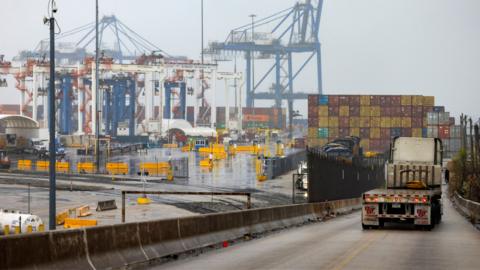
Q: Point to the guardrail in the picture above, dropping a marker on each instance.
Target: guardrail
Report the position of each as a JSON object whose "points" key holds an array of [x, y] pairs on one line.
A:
{"points": [[468, 208], [127, 244]]}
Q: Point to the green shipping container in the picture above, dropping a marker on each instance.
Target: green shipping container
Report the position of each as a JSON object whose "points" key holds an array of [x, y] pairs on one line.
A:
{"points": [[323, 133]]}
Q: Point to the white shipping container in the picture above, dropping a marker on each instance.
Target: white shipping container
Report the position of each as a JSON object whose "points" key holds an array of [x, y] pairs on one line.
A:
{"points": [[444, 118], [432, 118], [432, 132]]}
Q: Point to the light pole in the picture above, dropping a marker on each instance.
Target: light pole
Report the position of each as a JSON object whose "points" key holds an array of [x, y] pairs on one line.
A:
{"points": [[97, 81], [252, 16], [51, 119]]}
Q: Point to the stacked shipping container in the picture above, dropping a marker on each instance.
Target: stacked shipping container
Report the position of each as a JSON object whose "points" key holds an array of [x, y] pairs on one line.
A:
{"points": [[373, 118]]}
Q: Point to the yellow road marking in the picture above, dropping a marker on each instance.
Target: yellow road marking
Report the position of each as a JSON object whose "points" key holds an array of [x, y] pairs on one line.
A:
{"points": [[354, 253]]}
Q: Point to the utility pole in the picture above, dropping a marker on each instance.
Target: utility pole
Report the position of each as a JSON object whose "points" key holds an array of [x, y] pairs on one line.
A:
{"points": [[51, 119], [252, 16], [97, 95], [202, 60]]}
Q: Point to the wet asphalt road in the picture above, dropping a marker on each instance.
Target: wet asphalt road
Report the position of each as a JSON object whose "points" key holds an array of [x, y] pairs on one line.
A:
{"points": [[340, 243]]}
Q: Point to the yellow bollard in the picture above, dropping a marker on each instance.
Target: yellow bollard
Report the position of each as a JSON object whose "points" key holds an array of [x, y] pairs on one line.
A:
{"points": [[41, 228], [6, 230], [170, 174], [17, 230], [143, 200], [29, 229]]}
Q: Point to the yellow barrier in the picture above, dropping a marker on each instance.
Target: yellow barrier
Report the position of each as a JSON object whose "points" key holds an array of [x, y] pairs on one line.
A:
{"points": [[6, 230], [219, 155], [247, 148], [83, 211], [42, 165], [61, 167], [85, 167], [71, 223], [117, 168], [41, 228], [186, 148], [155, 168], [206, 163], [24, 165], [214, 149], [29, 229], [17, 230], [61, 217], [170, 145]]}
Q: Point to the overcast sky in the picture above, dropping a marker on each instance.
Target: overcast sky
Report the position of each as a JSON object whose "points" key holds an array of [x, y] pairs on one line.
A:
{"points": [[418, 47]]}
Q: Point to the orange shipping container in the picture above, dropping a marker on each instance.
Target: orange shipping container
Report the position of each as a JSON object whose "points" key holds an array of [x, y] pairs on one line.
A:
{"points": [[322, 111], [312, 132], [365, 144], [333, 133], [375, 133], [375, 111], [344, 110], [416, 132], [374, 122], [417, 100], [323, 122], [355, 132], [396, 122], [406, 100], [256, 117], [354, 122], [364, 100], [365, 111], [385, 122], [364, 122], [406, 122], [429, 101], [333, 122]]}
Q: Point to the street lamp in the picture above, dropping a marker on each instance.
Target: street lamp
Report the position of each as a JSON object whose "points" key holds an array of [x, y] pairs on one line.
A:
{"points": [[252, 16], [51, 117]]}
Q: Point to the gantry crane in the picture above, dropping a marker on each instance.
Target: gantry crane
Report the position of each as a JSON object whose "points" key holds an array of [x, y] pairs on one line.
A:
{"points": [[295, 31]]}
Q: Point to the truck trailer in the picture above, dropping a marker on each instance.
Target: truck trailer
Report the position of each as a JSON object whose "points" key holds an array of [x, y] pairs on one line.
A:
{"points": [[412, 192]]}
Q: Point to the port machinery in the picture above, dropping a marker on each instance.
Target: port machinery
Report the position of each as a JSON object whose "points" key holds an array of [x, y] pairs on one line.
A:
{"points": [[290, 32], [129, 90]]}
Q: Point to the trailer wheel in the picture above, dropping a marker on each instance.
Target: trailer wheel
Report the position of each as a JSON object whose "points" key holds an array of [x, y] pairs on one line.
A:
{"points": [[365, 227]]}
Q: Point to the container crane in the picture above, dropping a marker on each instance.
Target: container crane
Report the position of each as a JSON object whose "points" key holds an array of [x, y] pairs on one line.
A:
{"points": [[295, 31]]}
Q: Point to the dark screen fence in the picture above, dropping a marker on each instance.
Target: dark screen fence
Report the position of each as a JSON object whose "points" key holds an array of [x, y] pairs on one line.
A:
{"points": [[334, 178], [277, 166]]}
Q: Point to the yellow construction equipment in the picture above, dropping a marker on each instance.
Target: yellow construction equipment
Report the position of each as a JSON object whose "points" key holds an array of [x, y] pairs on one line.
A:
{"points": [[206, 163], [72, 223]]}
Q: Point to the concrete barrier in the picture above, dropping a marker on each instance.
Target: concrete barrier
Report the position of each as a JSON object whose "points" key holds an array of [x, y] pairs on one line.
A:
{"points": [[468, 208], [116, 246]]}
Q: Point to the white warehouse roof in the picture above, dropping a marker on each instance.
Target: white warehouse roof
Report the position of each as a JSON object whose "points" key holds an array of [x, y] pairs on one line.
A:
{"points": [[17, 121]]}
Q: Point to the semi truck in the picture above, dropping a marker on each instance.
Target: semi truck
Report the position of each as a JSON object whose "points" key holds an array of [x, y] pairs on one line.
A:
{"points": [[412, 191]]}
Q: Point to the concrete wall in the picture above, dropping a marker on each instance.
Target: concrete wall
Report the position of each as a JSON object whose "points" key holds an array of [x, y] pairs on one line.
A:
{"points": [[116, 246], [468, 208]]}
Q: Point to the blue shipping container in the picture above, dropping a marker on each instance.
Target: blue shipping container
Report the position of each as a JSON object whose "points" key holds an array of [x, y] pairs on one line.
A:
{"points": [[439, 109], [396, 132], [424, 132], [322, 100]]}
